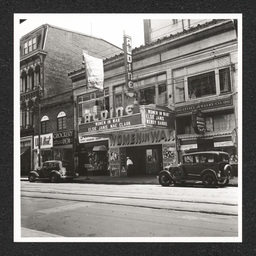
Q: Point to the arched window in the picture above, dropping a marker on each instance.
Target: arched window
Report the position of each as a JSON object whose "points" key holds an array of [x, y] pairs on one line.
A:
{"points": [[61, 121], [23, 81], [31, 83], [44, 124], [37, 77]]}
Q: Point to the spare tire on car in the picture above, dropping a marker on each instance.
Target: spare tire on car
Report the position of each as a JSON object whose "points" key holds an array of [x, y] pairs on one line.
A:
{"points": [[177, 173]]}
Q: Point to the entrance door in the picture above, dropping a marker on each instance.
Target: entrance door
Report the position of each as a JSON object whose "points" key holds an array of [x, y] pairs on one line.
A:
{"points": [[153, 160]]}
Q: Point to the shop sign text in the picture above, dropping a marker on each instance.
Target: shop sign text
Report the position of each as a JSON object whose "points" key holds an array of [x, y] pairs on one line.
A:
{"points": [[157, 118], [206, 105], [63, 138], [137, 138], [46, 141], [108, 124]]}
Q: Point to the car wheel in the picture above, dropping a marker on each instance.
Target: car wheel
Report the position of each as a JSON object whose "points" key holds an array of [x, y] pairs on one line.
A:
{"points": [[177, 173], [209, 180], [164, 179], [54, 178], [32, 177]]}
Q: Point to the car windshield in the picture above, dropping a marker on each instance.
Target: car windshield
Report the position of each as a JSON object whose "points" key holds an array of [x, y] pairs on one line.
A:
{"points": [[224, 158]]}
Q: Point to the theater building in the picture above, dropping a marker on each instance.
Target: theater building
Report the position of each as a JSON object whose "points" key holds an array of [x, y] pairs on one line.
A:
{"points": [[183, 98]]}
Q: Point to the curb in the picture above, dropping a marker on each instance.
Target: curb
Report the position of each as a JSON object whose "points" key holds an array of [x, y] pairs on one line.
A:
{"points": [[121, 182]]}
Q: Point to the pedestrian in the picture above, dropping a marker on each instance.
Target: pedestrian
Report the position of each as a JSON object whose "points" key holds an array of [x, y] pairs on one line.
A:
{"points": [[129, 165]]}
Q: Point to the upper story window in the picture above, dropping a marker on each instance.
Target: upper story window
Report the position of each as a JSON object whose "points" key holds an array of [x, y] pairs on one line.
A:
{"points": [[93, 102], [191, 82], [44, 124], [61, 121], [201, 85], [30, 45], [26, 48], [225, 83]]}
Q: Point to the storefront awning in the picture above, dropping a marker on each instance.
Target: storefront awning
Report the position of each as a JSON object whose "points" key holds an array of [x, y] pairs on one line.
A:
{"points": [[99, 148], [23, 150]]}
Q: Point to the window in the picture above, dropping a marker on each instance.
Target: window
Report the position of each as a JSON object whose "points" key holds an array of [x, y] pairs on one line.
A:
{"points": [[34, 43], [61, 121], [147, 95], [26, 48], [224, 122], [179, 90], [184, 125], [225, 84], [118, 96], [44, 126], [92, 103], [30, 45], [188, 159], [162, 95], [201, 85]]}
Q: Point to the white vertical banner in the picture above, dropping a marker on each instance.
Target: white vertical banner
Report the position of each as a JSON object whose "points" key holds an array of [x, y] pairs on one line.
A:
{"points": [[94, 71]]}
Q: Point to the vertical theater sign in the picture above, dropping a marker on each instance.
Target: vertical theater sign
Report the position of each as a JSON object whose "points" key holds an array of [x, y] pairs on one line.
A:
{"points": [[129, 88]]}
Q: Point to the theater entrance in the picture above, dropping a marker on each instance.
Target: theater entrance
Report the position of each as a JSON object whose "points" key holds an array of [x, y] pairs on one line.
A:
{"points": [[146, 159]]}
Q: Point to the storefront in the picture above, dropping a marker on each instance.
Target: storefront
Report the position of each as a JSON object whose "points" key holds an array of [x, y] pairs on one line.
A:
{"points": [[207, 126], [146, 136], [92, 155], [63, 146], [26, 155]]}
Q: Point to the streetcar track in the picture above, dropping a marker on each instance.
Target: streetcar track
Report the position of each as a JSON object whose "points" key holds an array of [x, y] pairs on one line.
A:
{"points": [[139, 198], [141, 206]]}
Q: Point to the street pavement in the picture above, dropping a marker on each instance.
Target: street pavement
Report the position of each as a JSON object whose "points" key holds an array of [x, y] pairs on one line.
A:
{"points": [[82, 209]]}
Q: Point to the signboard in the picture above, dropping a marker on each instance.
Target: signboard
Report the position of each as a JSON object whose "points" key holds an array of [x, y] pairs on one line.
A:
{"points": [[198, 122], [223, 144], [46, 141], [63, 138], [206, 105], [84, 139], [118, 123], [94, 71], [128, 65], [140, 138], [158, 118]]}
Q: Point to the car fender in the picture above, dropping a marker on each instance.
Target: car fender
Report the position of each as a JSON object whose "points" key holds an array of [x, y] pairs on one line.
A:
{"points": [[209, 170], [55, 171], [166, 171], [34, 172]]}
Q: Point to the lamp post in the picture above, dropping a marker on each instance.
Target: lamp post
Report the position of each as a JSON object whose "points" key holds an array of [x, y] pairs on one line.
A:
{"points": [[39, 94]]}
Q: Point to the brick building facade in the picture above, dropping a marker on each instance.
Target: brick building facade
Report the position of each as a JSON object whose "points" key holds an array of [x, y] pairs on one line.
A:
{"points": [[46, 55]]}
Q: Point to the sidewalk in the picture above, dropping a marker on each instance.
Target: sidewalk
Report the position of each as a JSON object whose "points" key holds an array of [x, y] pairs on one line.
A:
{"points": [[26, 232], [152, 180]]}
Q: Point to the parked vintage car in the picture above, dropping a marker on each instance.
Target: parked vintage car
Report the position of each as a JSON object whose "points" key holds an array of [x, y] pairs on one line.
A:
{"points": [[210, 167], [53, 170]]}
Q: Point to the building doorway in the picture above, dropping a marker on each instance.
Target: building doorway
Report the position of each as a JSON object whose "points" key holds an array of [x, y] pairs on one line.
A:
{"points": [[146, 159]]}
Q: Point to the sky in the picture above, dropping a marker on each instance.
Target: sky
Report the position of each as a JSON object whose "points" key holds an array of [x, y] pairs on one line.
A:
{"points": [[110, 27]]}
